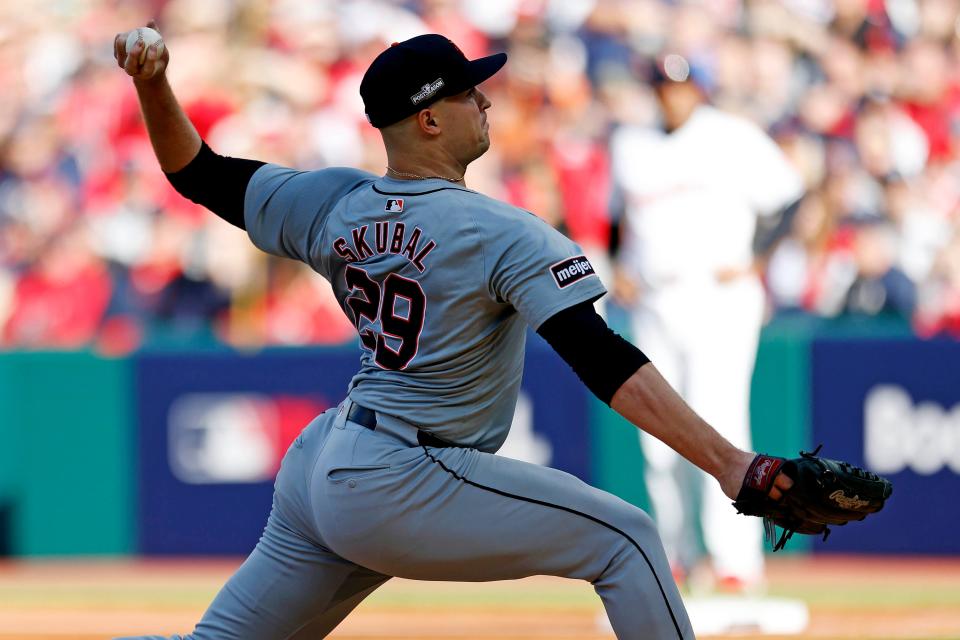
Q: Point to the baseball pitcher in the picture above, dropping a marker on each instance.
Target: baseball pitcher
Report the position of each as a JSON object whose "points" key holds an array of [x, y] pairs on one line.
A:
{"points": [[441, 282]]}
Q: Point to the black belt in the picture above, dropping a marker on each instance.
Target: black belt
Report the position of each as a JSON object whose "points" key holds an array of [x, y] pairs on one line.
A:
{"points": [[368, 418]]}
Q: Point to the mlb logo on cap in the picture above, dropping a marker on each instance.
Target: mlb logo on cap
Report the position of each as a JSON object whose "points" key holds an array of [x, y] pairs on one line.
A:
{"points": [[394, 205]]}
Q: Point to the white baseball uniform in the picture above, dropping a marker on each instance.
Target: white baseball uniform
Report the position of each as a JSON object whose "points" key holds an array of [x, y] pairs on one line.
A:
{"points": [[692, 201]]}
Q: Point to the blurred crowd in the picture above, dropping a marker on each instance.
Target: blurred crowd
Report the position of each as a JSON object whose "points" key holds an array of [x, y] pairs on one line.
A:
{"points": [[97, 249]]}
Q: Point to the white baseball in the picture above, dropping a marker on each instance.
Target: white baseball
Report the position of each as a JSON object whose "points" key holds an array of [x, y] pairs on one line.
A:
{"points": [[149, 37]]}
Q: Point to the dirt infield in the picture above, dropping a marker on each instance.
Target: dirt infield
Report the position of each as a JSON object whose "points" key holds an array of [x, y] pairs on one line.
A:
{"points": [[869, 598]]}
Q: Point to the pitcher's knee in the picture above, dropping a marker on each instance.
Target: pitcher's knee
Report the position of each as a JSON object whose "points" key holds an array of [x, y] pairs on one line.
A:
{"points": [[640, 527], [640, 539], [632, 539]]}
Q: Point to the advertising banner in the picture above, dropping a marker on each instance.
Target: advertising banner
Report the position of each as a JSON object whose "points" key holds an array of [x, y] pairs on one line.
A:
{"points": [[214, 427], [893, 406]]}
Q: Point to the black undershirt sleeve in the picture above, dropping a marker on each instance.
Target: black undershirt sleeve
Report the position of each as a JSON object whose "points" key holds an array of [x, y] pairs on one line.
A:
{"points": [[216, 182], [600, 357]]}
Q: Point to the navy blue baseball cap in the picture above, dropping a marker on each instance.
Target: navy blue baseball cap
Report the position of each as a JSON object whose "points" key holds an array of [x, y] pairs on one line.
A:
{"points": [[413, 74]]}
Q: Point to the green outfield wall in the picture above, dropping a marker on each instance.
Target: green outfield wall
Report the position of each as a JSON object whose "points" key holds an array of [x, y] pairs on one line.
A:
{"points": [[66, 454]]}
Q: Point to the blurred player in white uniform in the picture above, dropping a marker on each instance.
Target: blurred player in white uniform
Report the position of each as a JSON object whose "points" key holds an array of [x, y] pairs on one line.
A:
{"points": [[693, 192]]}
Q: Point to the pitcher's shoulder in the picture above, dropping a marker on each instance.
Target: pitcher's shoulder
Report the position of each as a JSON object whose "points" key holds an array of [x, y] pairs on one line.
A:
{"points": [[348, 177], [486, 209], [332, 181]]}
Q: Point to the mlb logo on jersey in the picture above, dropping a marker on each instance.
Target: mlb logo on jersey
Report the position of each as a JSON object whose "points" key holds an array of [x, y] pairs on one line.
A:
{"points": [[394, 205]]}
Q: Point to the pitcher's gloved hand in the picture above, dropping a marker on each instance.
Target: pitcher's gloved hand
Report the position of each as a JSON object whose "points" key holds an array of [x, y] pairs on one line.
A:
{"points": [[824, 492]]}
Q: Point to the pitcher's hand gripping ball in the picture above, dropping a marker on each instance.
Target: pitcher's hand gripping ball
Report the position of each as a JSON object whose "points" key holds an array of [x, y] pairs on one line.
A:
{"points": [[824, 492], [148, 37]]}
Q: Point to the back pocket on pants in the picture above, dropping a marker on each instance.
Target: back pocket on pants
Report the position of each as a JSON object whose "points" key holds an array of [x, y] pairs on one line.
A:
{"points": [[341, 474]]}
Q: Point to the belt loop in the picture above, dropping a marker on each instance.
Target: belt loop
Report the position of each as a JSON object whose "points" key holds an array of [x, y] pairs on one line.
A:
{"points": [[342, 412]]}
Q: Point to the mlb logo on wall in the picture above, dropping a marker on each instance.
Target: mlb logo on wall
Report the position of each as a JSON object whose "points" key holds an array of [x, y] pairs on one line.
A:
{"points": [[233, 438], [394, 205]]}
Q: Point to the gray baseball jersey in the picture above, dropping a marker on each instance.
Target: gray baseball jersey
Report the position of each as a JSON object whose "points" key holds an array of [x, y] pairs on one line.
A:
{"points": [[439, 280], [441, 283]]}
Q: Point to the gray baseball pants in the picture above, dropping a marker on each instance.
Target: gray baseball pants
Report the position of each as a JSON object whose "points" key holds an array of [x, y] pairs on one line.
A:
{"points": [[353, 507]]}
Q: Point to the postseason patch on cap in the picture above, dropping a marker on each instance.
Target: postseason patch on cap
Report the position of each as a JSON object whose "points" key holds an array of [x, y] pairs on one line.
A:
{"points": [[426, 91], [569, 271]]}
